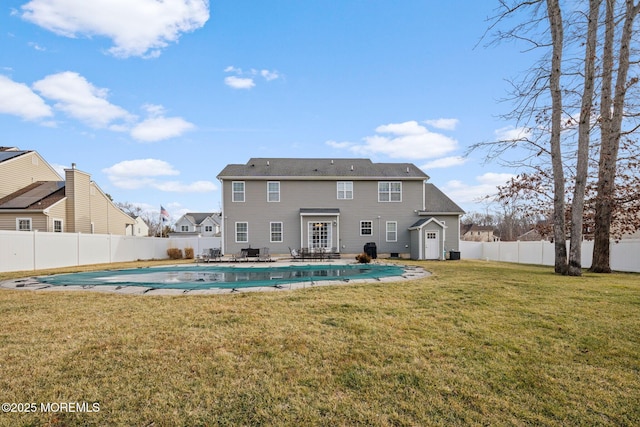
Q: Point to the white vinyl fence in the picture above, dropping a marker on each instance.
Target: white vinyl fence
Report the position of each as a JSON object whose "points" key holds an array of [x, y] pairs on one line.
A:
{"points": [[22, 250], [625, 255]]}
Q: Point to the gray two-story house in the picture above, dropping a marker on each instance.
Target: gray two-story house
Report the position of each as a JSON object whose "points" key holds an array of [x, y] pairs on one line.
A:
{"points": [[336, 204]]}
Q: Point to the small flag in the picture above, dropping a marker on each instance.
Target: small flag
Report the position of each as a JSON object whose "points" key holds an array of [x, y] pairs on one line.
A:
{"points": [[164, 214]]}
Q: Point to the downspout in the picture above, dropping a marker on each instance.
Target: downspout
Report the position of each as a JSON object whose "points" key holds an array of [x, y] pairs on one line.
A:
{"points": [[223, 219]]}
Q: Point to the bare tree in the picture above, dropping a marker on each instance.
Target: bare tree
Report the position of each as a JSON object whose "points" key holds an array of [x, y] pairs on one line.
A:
{"points": [[611, 117], [584, 131], [557, 85]]}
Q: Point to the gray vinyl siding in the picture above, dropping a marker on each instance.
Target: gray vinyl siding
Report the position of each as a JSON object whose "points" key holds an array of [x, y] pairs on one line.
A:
{"points": [[321, 194]]}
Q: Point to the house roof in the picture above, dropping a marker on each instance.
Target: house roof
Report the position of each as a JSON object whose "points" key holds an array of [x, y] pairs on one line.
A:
{"points": [[320, 168], [465, 228], [438, 202], [7, 153], [39, 195], [198, 217]]}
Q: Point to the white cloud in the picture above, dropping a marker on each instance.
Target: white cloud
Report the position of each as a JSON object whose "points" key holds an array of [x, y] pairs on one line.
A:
{"points": [[145, 173], [137, 28], [239, 82], [341, 145], [247, 79], [19, 100], [511, 133], [269, 75], [444, 162], [407, 140], [80, 99], [141, 167], [444, 124], [159, 128], [486, 185], [194, 187]]}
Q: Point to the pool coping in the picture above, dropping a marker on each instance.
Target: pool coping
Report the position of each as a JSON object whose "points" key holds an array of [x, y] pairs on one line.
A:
{"points": [[411, 272]]}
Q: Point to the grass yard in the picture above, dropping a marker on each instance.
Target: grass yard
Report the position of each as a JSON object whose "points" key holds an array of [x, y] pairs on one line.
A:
{"points": [[477, 343]]}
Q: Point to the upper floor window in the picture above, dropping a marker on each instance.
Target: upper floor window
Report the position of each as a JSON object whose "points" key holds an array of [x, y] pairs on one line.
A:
{"points": [[366, 228], [273, 191], [345, 190], [57, 226], [389, 191], [184, 228], [23, 224], [238, 191], [208, 228]]}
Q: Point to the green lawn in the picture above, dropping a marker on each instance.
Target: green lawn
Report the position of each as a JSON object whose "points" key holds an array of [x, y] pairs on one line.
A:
{"points": [[477, 343]]}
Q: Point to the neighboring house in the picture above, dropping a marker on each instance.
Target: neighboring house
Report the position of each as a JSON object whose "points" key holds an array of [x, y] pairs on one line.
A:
{"points": [[139, 228], [339, 205], [478, 233], [33, 197], [205, 224]]}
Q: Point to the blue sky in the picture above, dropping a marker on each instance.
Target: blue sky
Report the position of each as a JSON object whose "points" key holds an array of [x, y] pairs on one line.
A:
{"points": [[154, 99]]}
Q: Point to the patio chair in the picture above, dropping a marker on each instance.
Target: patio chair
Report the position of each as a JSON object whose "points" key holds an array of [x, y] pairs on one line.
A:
{"points": [[295, 254], [240, 256], [215, 254], [204, 257], [264, 255]]}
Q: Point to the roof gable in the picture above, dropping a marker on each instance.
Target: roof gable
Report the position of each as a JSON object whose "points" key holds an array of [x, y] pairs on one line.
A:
{"points": [[197, 218]]}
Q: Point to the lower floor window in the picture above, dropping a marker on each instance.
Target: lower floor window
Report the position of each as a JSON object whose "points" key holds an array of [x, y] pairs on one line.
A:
{"points": [[276, 232], [242, 232], [57, 226], [392, 231], [23, 224], [366, 228]]}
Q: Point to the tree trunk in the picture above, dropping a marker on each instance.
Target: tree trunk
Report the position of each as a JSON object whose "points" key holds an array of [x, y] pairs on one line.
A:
{"points": [[584, 129], [557, 35], [612, 115]]}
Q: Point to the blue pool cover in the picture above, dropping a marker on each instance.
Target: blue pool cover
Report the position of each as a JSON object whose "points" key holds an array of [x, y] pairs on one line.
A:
{"points": [[212, 277]]}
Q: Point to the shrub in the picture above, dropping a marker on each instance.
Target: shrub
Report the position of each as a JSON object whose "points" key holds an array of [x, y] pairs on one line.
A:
{"points": [[174, 253], [188, 253], [363, 258]]}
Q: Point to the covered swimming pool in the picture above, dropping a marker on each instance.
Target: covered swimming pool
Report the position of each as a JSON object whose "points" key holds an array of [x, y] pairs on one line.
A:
{"points": [[201, 277]]}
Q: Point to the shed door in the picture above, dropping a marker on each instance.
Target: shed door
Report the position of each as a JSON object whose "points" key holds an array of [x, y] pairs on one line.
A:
{"points": [[432, 245]]}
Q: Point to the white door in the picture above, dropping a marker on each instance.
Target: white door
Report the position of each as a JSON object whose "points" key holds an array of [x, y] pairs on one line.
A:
{"points": [[319, 235], [431, 245]]}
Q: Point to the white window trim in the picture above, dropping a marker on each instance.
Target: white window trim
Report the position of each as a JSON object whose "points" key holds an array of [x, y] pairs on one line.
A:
{"points": [[30, 220], [387, 231], [389, 192], [233, 192], [281, 232], [371, 223], [61, 225], [273, 192], [344, 191], [235, 228]]}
